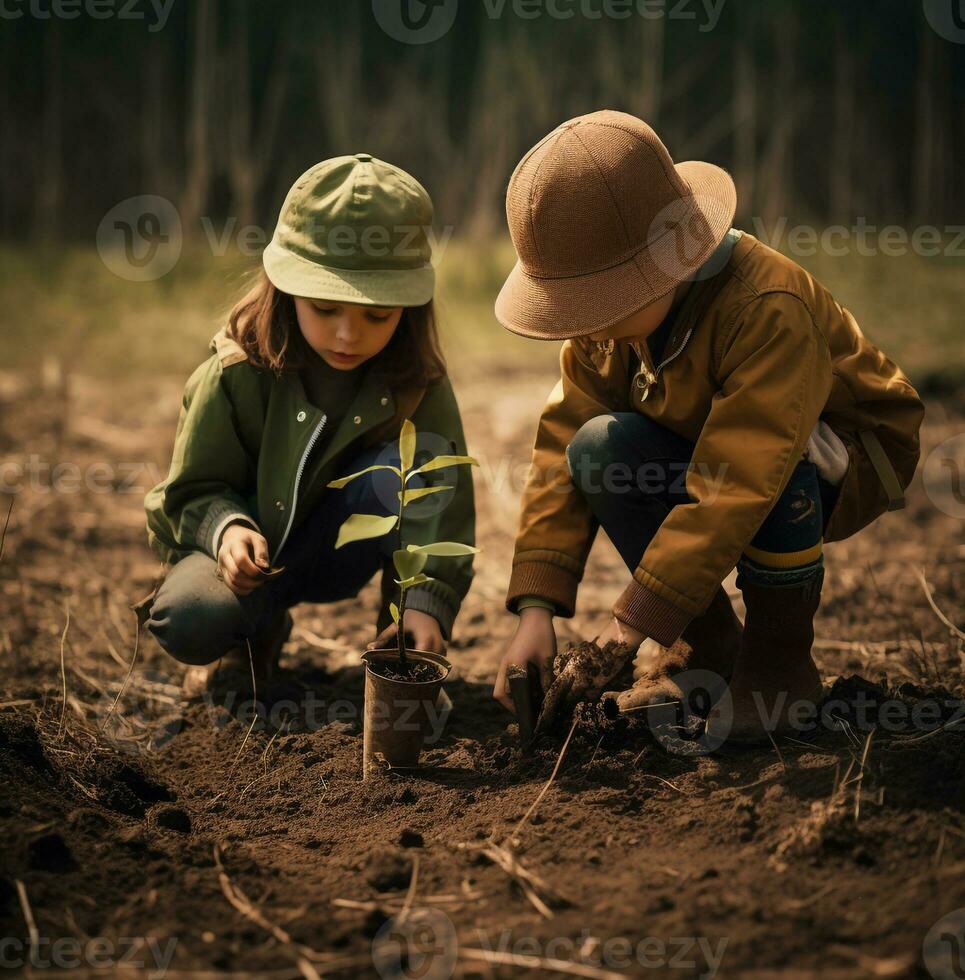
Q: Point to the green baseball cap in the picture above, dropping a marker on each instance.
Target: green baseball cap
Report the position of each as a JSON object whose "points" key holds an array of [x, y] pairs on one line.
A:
{"points": [[354, 229]]}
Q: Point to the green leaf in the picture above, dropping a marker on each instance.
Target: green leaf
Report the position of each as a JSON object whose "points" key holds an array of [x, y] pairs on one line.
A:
{"points": [[342, 481], [359, 527], [440, 462], [408, 563], [407, 583], [394, 611], [421, 492], [444, 549], [407, 445]]}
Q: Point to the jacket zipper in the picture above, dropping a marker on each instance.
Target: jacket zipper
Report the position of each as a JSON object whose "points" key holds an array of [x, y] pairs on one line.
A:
{"points": [[298, 476], [667, 360], [649, 378]]}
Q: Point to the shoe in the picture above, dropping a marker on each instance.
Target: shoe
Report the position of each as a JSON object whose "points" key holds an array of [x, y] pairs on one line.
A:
{"points": [[776, 688], [266, 650], [709, 644]]}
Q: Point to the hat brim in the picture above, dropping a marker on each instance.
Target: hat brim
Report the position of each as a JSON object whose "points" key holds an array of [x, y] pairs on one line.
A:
{"points": [[370, 287], [575, 306]]}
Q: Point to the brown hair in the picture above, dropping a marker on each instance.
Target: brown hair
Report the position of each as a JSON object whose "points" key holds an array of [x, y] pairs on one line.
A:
{"points": [[264, 323]]}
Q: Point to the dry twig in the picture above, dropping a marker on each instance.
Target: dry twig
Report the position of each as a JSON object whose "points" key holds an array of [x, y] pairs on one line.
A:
{"points": [[540, 963], [3, 534], [127, 679], [515, 834], [63, 674], [920, 575], [242, 904], [28, 918]]}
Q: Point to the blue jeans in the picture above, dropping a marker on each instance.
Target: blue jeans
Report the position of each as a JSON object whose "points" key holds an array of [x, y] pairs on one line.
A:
{"points": [[632, 471], [196, 618]]}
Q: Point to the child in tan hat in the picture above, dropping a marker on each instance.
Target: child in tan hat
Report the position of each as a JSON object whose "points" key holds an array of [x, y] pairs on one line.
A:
{"points": [[311, 380], [716, 407]]}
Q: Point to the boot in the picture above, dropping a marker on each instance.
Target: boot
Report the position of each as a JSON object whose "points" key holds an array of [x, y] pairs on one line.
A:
{"points": [[776, 687], [266, 650], [710, 644]]}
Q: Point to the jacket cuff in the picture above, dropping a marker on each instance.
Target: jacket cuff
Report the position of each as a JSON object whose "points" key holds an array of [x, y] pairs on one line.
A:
{"points": [[435, 603], [545, 580], [651, 614], [219, 515]]}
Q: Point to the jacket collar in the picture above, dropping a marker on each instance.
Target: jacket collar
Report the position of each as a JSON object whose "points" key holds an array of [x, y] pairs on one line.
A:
{"points": [[708, 280], [373, 405]]}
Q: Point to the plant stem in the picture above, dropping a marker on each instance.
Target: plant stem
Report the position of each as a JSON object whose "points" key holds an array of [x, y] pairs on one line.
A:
{"points": [[400, 631]]}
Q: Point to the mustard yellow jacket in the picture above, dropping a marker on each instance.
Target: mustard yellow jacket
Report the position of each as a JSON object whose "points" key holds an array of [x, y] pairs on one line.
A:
{"points": [[758, 354]]}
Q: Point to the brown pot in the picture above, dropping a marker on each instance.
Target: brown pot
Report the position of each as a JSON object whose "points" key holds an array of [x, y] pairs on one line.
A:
{"points": [[398, 714]]}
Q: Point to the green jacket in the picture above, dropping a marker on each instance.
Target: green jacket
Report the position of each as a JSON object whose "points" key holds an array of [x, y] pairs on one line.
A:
{"points": [[241, 452]]}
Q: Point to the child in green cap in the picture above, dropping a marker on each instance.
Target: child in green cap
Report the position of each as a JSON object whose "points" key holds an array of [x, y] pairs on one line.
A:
{"points": [[311, 379]]}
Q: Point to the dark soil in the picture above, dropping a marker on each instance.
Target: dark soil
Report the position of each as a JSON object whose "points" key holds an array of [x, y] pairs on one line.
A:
{"points": [[413, 671], [829, 858]]}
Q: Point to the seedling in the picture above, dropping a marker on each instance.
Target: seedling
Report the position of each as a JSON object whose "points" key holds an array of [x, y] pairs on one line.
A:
{"points": [[409, 560]]}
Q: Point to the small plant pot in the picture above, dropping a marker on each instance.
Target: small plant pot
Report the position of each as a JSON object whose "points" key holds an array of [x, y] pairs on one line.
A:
{"points": [[399, 714]]}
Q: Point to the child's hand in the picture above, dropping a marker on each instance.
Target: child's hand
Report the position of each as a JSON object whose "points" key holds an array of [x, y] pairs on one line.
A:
{"points": [[423, 628], [242, 558], [535, 641]]}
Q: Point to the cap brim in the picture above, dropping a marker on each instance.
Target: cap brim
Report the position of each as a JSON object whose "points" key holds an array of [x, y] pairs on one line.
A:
{"points": [[574, 306], [370, 287]]}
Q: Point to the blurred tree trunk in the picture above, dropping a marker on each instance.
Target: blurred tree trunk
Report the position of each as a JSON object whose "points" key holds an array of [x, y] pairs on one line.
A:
{"points": [[774, 188], [8, 131], [928, 166], [745, 113], [648, 101], [200, 114], [249, 148], [153, 117], [50, 157], [840, 160], [338, 78]]}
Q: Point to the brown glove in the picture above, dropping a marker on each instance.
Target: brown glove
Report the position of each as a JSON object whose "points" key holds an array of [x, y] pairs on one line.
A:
{"points": [[581, 673]]}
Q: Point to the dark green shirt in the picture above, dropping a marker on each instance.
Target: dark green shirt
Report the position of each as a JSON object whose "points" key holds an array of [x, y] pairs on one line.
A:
{"points": [[329, 388]]}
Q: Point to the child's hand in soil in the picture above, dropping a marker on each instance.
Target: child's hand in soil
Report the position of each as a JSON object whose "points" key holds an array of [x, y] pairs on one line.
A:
{"points": [[583, 672], [534, 642], [421, 627], [243, 558]]}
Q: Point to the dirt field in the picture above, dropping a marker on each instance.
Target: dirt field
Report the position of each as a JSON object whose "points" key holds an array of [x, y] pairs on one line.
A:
{"points": [[267, 855]]}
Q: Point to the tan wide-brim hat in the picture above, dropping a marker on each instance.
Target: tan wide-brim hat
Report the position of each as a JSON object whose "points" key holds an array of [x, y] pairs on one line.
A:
{"points": [[605, 223]]}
